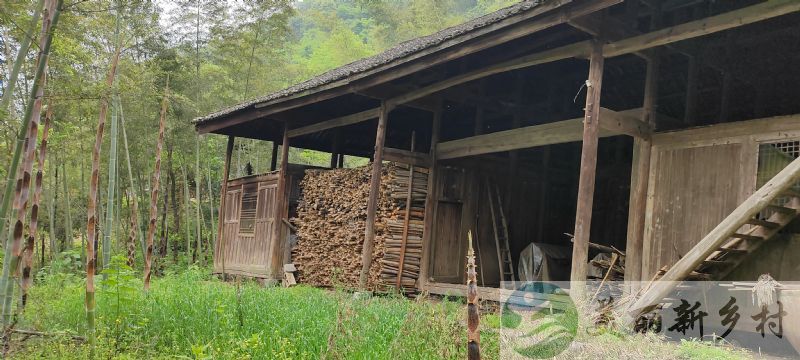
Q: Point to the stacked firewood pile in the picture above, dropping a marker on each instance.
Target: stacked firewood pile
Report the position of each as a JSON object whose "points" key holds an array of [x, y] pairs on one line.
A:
{"points": [[331, 218], [399, 193]]}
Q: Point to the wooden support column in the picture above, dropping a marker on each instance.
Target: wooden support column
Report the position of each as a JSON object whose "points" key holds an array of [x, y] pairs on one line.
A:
{"points": [[430, 206], [591, 127], [222, 213], [335, 149], [276, 247], [637, 208], [341, 161], [273, 165], [372, 202]]}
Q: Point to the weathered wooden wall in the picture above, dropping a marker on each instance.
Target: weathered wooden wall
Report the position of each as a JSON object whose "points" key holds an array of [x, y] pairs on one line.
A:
{"points": [[245, 245], [539, 198], [245, 251], [697, 177]]}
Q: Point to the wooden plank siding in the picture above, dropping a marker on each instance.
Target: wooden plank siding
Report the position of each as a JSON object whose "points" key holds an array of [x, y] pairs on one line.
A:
{"points": [[697, 177], [693, 189], [247, 251]]}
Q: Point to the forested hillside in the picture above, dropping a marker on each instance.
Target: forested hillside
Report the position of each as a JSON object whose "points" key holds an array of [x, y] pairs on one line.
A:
{"points": [[212, 54]]}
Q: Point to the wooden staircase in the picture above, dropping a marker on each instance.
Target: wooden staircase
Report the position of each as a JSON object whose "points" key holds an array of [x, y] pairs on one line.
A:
{"points": [[755, 221], [500, 226]]}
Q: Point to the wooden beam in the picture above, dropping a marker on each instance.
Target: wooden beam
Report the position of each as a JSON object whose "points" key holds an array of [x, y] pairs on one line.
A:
{"points": [[729, 20], [336, 122], [372, 202], [610, 28], [406, 157], [230, 120], [637, 207], [225, 174], [612, 123], [716, 238], [784, 124], [586, 182], [560, 53], [388, 90], [281, 212], [525, 137], [617, 123]]}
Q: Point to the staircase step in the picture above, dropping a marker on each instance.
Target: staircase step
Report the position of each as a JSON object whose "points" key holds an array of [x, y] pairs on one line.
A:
{"points": [[747, 237], [733, 251], [716, 262], [764, 223], [781, 209], [699, 275]]}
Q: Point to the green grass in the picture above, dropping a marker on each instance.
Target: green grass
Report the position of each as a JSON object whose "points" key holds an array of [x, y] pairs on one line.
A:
{"points": [[190, 315]]}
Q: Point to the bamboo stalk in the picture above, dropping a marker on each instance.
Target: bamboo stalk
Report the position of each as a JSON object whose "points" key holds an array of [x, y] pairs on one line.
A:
{"points": [[27, 259], [198, 223], [52, 210], [473, 316], [164, 242], [133, 210], [154, 190], [91, 223], [48, 24], [68, 209], [134, 198], [189, 254], [111, 187], [211, 208], [32, 110]]}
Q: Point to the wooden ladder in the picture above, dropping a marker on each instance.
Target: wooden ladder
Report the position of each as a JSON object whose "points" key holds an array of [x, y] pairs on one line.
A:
{"points": [[728, 244], [500, 226]]}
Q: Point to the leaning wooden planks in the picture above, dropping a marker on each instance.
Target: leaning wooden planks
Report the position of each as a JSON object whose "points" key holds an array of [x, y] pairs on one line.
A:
{"points": [[400, 177]]}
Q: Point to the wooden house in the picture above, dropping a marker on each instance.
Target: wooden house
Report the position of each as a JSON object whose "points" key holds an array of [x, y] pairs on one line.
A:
{"points": [[666, 129]]}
